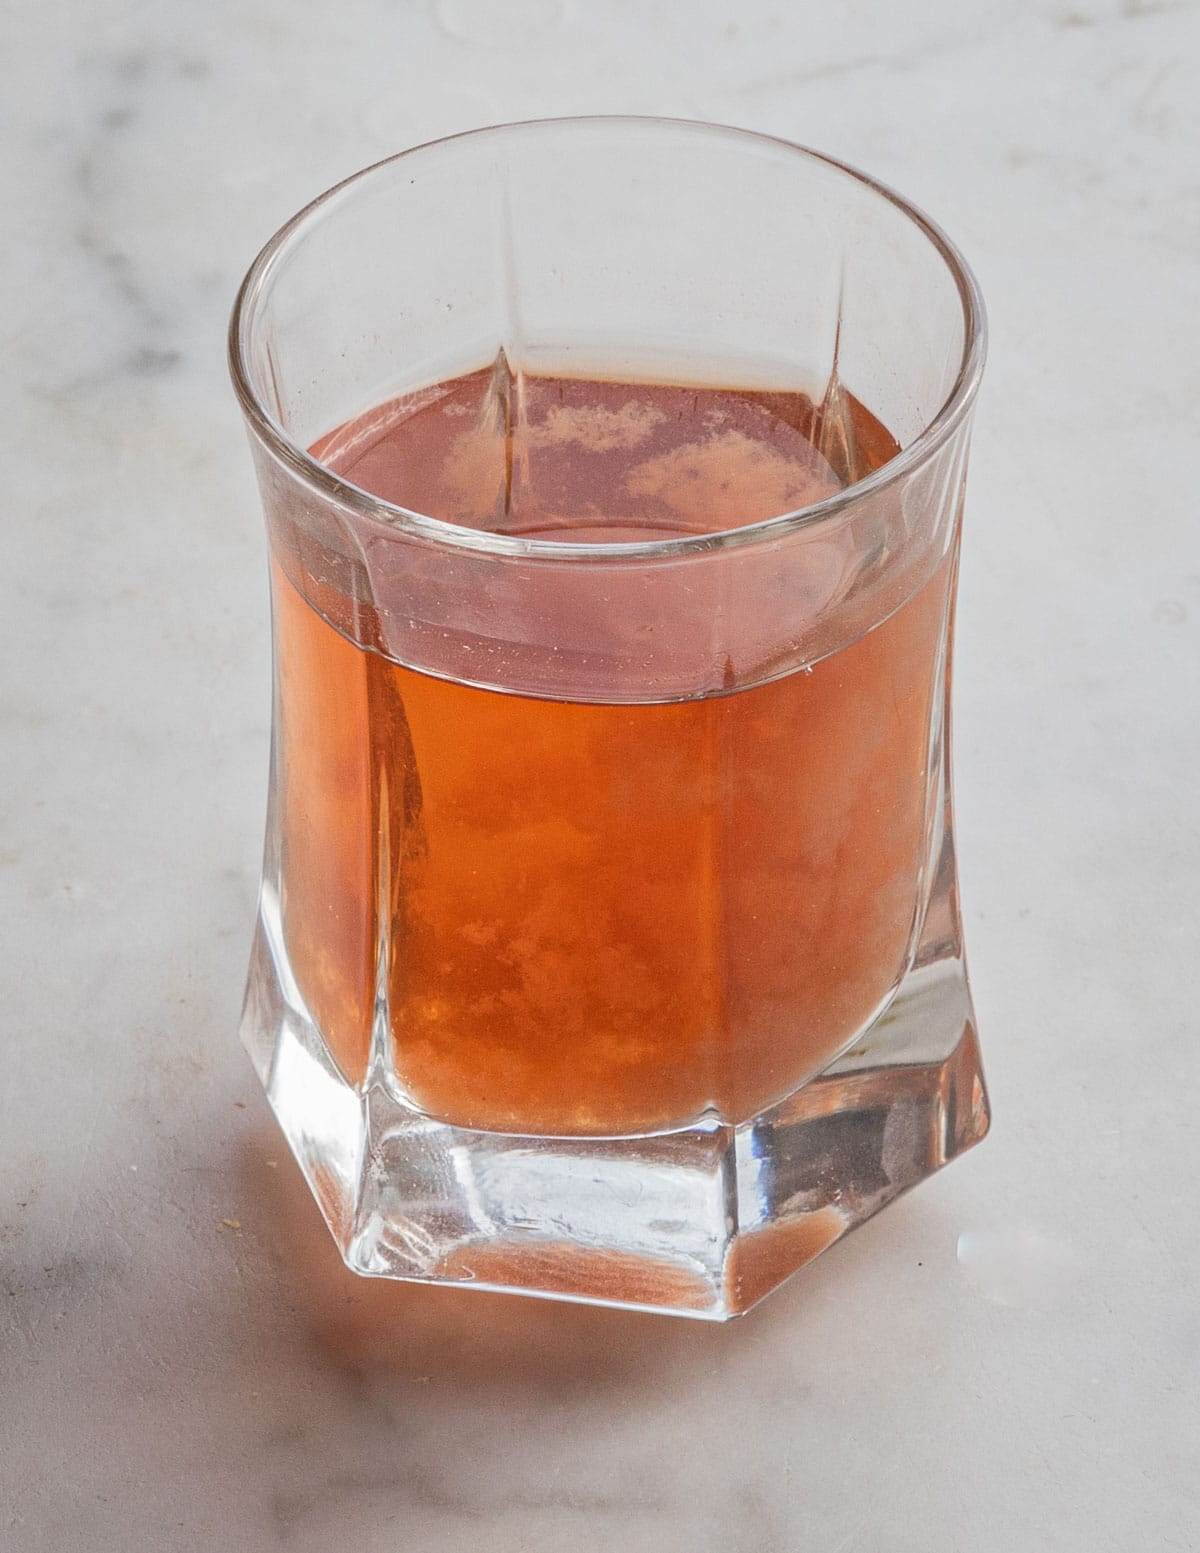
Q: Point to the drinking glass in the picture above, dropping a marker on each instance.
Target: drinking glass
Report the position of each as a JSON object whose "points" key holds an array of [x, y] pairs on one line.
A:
{"points": [[608, 942]]}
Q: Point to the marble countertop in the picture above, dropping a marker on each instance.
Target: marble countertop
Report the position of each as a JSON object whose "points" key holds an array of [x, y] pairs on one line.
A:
{"points": [[1009, 1358]]}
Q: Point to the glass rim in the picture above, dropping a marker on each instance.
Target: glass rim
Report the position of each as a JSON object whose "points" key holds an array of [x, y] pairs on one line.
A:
{"points": [[394, 517]]}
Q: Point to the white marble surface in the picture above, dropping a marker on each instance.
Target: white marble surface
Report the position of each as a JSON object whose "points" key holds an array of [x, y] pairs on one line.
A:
{"points": [[1008, 1359]]}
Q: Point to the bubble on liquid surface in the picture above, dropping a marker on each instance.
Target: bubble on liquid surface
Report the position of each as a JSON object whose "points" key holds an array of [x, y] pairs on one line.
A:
{"points": [[1019, 1267], [494, 23]]}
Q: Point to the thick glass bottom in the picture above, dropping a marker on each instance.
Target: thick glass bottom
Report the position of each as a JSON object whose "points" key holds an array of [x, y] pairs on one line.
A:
{"points": [[701, 1221]]}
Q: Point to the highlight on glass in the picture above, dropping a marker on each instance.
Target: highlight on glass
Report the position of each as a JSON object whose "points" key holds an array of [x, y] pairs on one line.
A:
{"points": [[608, 944]]}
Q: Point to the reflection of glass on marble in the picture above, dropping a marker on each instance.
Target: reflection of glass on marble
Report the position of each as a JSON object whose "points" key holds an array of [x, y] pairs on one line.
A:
{"points": [[608, 943]]}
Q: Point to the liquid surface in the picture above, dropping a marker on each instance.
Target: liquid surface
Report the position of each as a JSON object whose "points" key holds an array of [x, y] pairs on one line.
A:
{"points": [[576, 459], [599, 918]]}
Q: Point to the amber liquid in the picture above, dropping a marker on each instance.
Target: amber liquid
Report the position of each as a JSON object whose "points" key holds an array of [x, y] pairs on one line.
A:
{"points": [[598, 918]]}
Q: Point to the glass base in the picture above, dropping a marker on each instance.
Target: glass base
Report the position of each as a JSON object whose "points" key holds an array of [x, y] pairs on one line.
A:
{"points": [[702, 1221]]}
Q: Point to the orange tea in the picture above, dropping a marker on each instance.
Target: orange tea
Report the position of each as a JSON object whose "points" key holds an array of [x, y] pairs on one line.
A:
{"points": [[598, 916]]}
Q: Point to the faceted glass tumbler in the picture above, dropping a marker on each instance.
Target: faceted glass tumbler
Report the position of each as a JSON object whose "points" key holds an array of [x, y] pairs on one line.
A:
{"points": [[608, 943]]}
